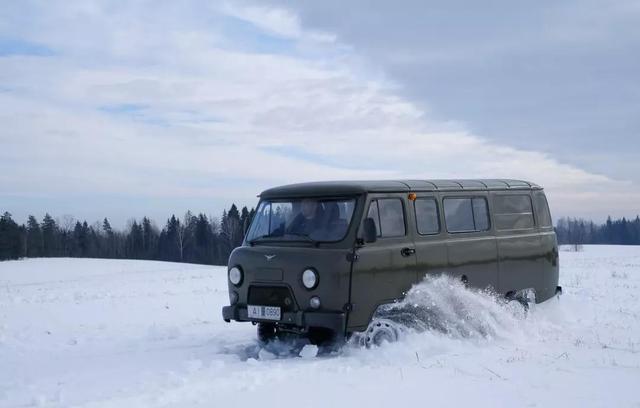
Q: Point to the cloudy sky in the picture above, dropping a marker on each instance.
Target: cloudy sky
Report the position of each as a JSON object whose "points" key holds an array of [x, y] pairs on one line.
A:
{"points": [[125, 109]]}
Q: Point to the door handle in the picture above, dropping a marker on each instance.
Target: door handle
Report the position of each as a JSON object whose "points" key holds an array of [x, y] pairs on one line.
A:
{"points": [[408, 251]]}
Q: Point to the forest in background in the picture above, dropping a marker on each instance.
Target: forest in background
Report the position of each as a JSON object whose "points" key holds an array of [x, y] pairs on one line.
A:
{"points": [[193, 238], [205, 240], [577, 231]]}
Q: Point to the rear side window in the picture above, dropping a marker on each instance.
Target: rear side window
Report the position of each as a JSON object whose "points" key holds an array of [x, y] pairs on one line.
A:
{"points": [[513, 212], [542, 210], [427, 220], [466, 214], [388, 215]]}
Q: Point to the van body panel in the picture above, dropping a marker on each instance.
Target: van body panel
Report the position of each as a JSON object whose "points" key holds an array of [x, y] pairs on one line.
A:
{"points": [[474, 259], [472, 256], [549, 267], [381, 268], [520, 261], [431, 249]]}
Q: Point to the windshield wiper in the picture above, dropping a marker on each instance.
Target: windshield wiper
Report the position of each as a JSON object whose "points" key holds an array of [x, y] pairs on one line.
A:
{"points": [[301, 235], [263, 237], [306, 238]]}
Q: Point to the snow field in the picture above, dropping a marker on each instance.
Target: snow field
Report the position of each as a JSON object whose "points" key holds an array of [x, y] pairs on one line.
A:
{"points": [[113, 333]]}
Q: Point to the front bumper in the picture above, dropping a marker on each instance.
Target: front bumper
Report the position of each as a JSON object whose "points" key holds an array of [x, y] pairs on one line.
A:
{"points": [[330, 320]]}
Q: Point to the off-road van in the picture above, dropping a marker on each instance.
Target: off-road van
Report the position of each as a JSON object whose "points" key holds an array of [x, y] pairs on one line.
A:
{"points": [[320, 258]]}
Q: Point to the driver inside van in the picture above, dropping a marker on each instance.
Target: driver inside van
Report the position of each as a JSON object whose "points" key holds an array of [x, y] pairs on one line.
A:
{"points": [[308, 220]]}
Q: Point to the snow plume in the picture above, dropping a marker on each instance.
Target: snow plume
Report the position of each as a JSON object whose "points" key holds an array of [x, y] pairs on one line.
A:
{"points": [[443, 304]]}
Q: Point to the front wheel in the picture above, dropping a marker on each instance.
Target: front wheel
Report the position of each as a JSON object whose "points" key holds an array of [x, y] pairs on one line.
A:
{"points": [[266, 332], [378, 332]]}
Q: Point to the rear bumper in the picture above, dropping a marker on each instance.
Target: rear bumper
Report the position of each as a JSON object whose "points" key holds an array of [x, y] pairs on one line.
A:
{"points": [[330, 320]]}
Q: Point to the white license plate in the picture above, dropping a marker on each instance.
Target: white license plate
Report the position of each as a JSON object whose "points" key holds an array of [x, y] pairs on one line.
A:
{"points": [[263, 312]]}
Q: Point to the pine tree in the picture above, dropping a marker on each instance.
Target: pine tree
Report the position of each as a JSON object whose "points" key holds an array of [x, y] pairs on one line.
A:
{"points": [[79, 241], [186, 239], [11, 240], [106, 227], [35, 243], [109, 246], [149, 239], [168, 242], [244, 220], [50, 237], [252, 215], [134, 242], [231, 232], [608, 231], [204, 241]]}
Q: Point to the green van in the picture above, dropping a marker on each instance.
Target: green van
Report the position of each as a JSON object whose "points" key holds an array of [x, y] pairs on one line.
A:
{"points": [[319, 259]]}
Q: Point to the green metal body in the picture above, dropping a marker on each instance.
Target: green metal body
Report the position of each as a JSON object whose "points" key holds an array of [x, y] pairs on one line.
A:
{"points": [[357, 277]]}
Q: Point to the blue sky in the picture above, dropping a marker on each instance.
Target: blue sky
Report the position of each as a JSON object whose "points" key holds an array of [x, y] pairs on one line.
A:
{"points": [[130, 109], [10, 47]]}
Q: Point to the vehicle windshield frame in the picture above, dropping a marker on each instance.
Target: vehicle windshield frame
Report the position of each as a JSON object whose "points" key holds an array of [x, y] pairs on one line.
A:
{"points": [[298, 237]]}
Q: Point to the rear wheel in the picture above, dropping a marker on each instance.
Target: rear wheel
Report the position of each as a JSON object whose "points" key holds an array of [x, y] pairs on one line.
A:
{"points": [[525, 297]]}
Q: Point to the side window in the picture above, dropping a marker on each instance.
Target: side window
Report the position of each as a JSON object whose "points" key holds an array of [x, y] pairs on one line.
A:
{"points": [[466, 214], [427, 220], [375, 214], [513, 212], [388, 216], [542, 210], [480, 213], [391, 217]]}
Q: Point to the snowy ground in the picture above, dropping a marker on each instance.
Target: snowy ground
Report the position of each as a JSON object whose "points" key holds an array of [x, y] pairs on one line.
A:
{"points": [[109, 333]]}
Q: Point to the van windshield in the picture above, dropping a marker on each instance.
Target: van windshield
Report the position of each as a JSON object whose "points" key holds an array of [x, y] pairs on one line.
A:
{"points": [[305, 219]]}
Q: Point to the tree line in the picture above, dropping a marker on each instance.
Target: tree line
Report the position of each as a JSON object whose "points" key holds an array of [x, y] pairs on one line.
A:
{"points": [[194, 238], [202, 239], [618, 232]]}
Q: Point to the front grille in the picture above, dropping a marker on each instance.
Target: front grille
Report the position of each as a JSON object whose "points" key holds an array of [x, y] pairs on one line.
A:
{"points": [[272, 296]]}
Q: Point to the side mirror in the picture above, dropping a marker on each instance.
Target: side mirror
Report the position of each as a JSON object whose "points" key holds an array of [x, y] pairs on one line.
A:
{"points": [[370, 230]]}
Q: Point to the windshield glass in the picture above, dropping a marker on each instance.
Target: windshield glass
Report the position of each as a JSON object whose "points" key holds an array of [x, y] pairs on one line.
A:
{"points": [[312, 219]]}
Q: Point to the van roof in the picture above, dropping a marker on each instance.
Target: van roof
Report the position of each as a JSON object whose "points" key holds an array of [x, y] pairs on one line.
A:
{"points": [[323, 188]]}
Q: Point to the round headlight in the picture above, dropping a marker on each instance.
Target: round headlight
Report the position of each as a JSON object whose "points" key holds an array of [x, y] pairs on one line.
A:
{"points": [[235, 275], [309, 278]]}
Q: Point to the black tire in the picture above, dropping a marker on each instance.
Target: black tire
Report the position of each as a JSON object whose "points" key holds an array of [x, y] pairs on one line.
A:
{"points": [[266, 332], [321, 336], [516, 297], [327, 340]]}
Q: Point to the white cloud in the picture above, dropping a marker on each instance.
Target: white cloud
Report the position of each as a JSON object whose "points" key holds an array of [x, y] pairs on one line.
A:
{"points": [[215, 122], [275, 21]]}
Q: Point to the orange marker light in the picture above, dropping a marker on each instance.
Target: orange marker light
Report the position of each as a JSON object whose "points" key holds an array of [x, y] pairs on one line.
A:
{"points": [[413, 196]]}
